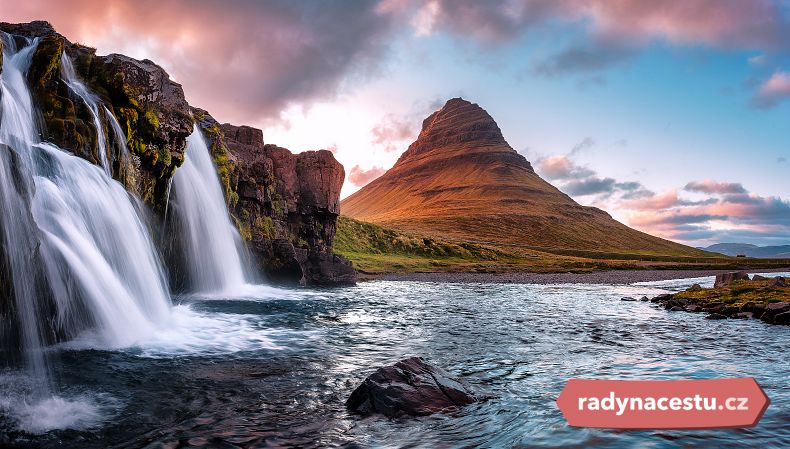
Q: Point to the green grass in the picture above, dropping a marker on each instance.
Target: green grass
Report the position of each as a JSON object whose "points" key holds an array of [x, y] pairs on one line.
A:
{"points": [[737, 294], [374, 249]]}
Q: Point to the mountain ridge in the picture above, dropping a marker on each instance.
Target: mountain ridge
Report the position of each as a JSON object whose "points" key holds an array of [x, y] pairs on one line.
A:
{"points": [[749, 250], [460, 179]]}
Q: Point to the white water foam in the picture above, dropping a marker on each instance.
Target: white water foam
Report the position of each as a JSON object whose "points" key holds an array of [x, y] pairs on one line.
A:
{"points": [[194, 333], [37, 414]]}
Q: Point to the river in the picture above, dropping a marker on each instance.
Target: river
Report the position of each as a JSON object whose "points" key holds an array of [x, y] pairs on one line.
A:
{"points": [[273, 367]]}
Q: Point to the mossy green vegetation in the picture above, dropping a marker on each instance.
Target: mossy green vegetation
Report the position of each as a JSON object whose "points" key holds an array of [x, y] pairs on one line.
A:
{"points": [[45, 62], [221, 156], [738, 293], [374, 249]]}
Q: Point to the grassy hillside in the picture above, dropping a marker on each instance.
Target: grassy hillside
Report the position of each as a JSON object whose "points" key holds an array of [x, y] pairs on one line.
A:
{"points": [[374, 249]]}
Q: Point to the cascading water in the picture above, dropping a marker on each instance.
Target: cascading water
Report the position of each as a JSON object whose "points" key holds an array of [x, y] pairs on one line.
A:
{"points": [[69, 77], [102, 277], [16, 192], [213, 247]]}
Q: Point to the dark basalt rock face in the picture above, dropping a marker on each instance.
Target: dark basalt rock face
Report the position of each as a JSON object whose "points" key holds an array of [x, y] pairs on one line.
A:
{"points": [[150, 108], [285, 205], [411, 387]]}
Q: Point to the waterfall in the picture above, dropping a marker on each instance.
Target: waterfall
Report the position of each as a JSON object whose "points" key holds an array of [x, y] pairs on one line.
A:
{"points": [[69, 77], [80, 257], [212, 245]]}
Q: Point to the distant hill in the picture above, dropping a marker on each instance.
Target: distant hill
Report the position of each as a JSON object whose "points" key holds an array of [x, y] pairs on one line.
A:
{"points": [[461, 180], [762, 252]]}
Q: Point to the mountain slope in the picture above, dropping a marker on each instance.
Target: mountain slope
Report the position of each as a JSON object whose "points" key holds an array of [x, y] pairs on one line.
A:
{"points": [[763, 252], [461, 180]]}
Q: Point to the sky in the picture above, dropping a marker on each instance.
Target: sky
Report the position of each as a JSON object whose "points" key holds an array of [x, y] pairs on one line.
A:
{"points": [[672, 115]]}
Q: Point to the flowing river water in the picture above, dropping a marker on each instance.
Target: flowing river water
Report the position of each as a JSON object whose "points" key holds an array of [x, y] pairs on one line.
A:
{"points": [[272, 368]]}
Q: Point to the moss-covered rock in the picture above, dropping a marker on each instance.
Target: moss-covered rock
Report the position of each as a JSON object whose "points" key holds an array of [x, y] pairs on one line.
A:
{"points": [[153, 113], [762, 298], [149, 107]]}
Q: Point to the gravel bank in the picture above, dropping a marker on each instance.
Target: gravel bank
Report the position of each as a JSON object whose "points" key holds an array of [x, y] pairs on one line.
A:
{"points": [[597, 277]]}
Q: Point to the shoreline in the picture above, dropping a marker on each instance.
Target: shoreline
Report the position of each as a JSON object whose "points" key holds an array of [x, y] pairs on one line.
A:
{"points": [[621, 277]]}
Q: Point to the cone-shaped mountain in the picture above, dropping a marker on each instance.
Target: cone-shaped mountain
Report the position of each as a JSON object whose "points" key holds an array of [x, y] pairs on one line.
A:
{"points": [[461, 180]]}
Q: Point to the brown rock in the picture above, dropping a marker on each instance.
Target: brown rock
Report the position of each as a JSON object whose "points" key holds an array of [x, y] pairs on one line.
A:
{"points": [[287, 205], [782, 318], [778, 281], [662, 297], [723, 279]]}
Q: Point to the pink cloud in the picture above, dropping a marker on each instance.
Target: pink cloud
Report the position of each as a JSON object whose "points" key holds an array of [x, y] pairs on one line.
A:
{"points": [[709, 186], [655, 202], [561, 167], [360, 177], [773, 90], [720, 23], [391, 132], [731, 214], [245, 60]]}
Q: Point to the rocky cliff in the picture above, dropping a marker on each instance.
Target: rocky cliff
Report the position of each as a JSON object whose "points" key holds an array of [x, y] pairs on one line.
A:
{"points": [[461, 180], [285, 205]]}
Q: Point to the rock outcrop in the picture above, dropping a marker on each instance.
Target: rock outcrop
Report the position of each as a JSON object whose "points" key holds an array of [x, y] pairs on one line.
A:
{"points": [[411, 387], [285, 205], [723, 279], [460, 179], [735, 296]]}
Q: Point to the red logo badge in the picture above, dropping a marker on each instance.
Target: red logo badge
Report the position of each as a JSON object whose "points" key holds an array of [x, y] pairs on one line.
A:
{"points": [[663, 404]]}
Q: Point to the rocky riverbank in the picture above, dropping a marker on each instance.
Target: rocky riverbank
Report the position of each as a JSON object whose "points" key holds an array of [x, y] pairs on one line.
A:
{"points": [[735, 295]]}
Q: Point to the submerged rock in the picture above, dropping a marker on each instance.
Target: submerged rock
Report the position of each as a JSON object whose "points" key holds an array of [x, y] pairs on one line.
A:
{"points": [[662, 297], [410, 387]]}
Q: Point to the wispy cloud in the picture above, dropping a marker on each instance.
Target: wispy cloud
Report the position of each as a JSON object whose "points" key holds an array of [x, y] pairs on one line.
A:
{"points": [[360, 176], [731, 210], [392, 132], [709, 186], [773, 90]]}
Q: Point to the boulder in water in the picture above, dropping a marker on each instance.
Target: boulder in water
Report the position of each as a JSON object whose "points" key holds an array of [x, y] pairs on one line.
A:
{"points": [[782, 318], [411, 387]]}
